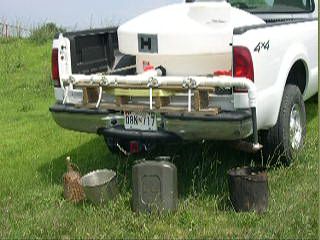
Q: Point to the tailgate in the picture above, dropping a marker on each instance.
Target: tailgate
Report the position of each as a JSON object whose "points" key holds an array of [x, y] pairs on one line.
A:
{"points": [[93, 51]]}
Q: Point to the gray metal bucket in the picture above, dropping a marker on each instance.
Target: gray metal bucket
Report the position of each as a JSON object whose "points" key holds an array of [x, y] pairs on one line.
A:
{"points": [[100, 186]]}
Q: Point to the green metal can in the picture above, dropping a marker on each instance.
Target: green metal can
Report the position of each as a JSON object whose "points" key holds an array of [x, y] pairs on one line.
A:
{"points": [[155, 186]]}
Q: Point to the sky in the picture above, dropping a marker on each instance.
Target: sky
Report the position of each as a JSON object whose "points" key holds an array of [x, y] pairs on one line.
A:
{"points": [[75, 14]]}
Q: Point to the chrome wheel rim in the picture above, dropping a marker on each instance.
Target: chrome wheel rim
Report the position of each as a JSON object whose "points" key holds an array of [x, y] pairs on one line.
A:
{"points": [[295, 127]]}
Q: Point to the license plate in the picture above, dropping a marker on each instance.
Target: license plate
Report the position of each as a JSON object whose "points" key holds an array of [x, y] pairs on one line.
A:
{"points": [[140, 121]]}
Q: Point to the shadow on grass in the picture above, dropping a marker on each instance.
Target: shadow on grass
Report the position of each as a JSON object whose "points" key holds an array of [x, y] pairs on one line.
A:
{"points": [[202, 167], [88, 157], [312, 108]]}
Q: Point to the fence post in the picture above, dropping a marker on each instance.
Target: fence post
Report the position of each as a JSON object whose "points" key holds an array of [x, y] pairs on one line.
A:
{"points": [[18, 30], [6, 30]]}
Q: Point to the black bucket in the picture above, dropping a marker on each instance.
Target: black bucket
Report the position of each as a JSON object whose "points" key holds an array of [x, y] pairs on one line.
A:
{"points": [[248, 189]]}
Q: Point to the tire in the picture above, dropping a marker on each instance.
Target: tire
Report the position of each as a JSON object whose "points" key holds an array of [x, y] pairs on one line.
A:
{"points": [[286, 138]]}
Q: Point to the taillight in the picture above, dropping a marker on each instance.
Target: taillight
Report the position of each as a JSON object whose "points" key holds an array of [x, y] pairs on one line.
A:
{"points": [[55, 67], [242, 65], [222, 73]]}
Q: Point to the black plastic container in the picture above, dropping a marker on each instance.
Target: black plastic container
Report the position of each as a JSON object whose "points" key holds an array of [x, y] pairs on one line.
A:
{"points": [[249, 189], [154, 186]]}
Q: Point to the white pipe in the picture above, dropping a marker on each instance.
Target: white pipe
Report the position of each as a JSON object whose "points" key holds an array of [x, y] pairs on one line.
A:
{"points": [[225, 81], [66, 93], [100, 97], [145, 78], [189, 100], [150, 99]]}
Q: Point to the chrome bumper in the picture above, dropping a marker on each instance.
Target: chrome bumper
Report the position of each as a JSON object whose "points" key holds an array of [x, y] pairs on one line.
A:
{"points": [[224, 126]]}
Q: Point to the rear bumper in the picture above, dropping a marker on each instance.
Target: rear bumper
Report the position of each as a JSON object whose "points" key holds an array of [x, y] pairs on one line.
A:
{"points": [[224, 126]]}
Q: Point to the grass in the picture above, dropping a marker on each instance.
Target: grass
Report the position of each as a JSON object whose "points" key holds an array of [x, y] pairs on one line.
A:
{"points": [[45, 32], [32, 161]]}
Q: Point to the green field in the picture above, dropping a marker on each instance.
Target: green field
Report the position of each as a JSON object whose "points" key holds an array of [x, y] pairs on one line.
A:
{"points": [[32, 161]]}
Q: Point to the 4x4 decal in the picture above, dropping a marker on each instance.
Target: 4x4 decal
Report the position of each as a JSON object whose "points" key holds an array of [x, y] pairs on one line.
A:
{"points": [[262, 46]]}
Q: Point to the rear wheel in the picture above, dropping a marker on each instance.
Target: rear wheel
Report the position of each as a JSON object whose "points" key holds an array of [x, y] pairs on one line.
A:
{"points": [[286, 138]]}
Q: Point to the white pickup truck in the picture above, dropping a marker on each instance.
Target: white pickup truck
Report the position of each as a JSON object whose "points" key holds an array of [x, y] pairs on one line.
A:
{"points": [[236, 70]]}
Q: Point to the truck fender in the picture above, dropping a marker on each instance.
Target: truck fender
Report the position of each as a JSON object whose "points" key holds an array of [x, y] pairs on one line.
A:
{"points": [[294, 53]]}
